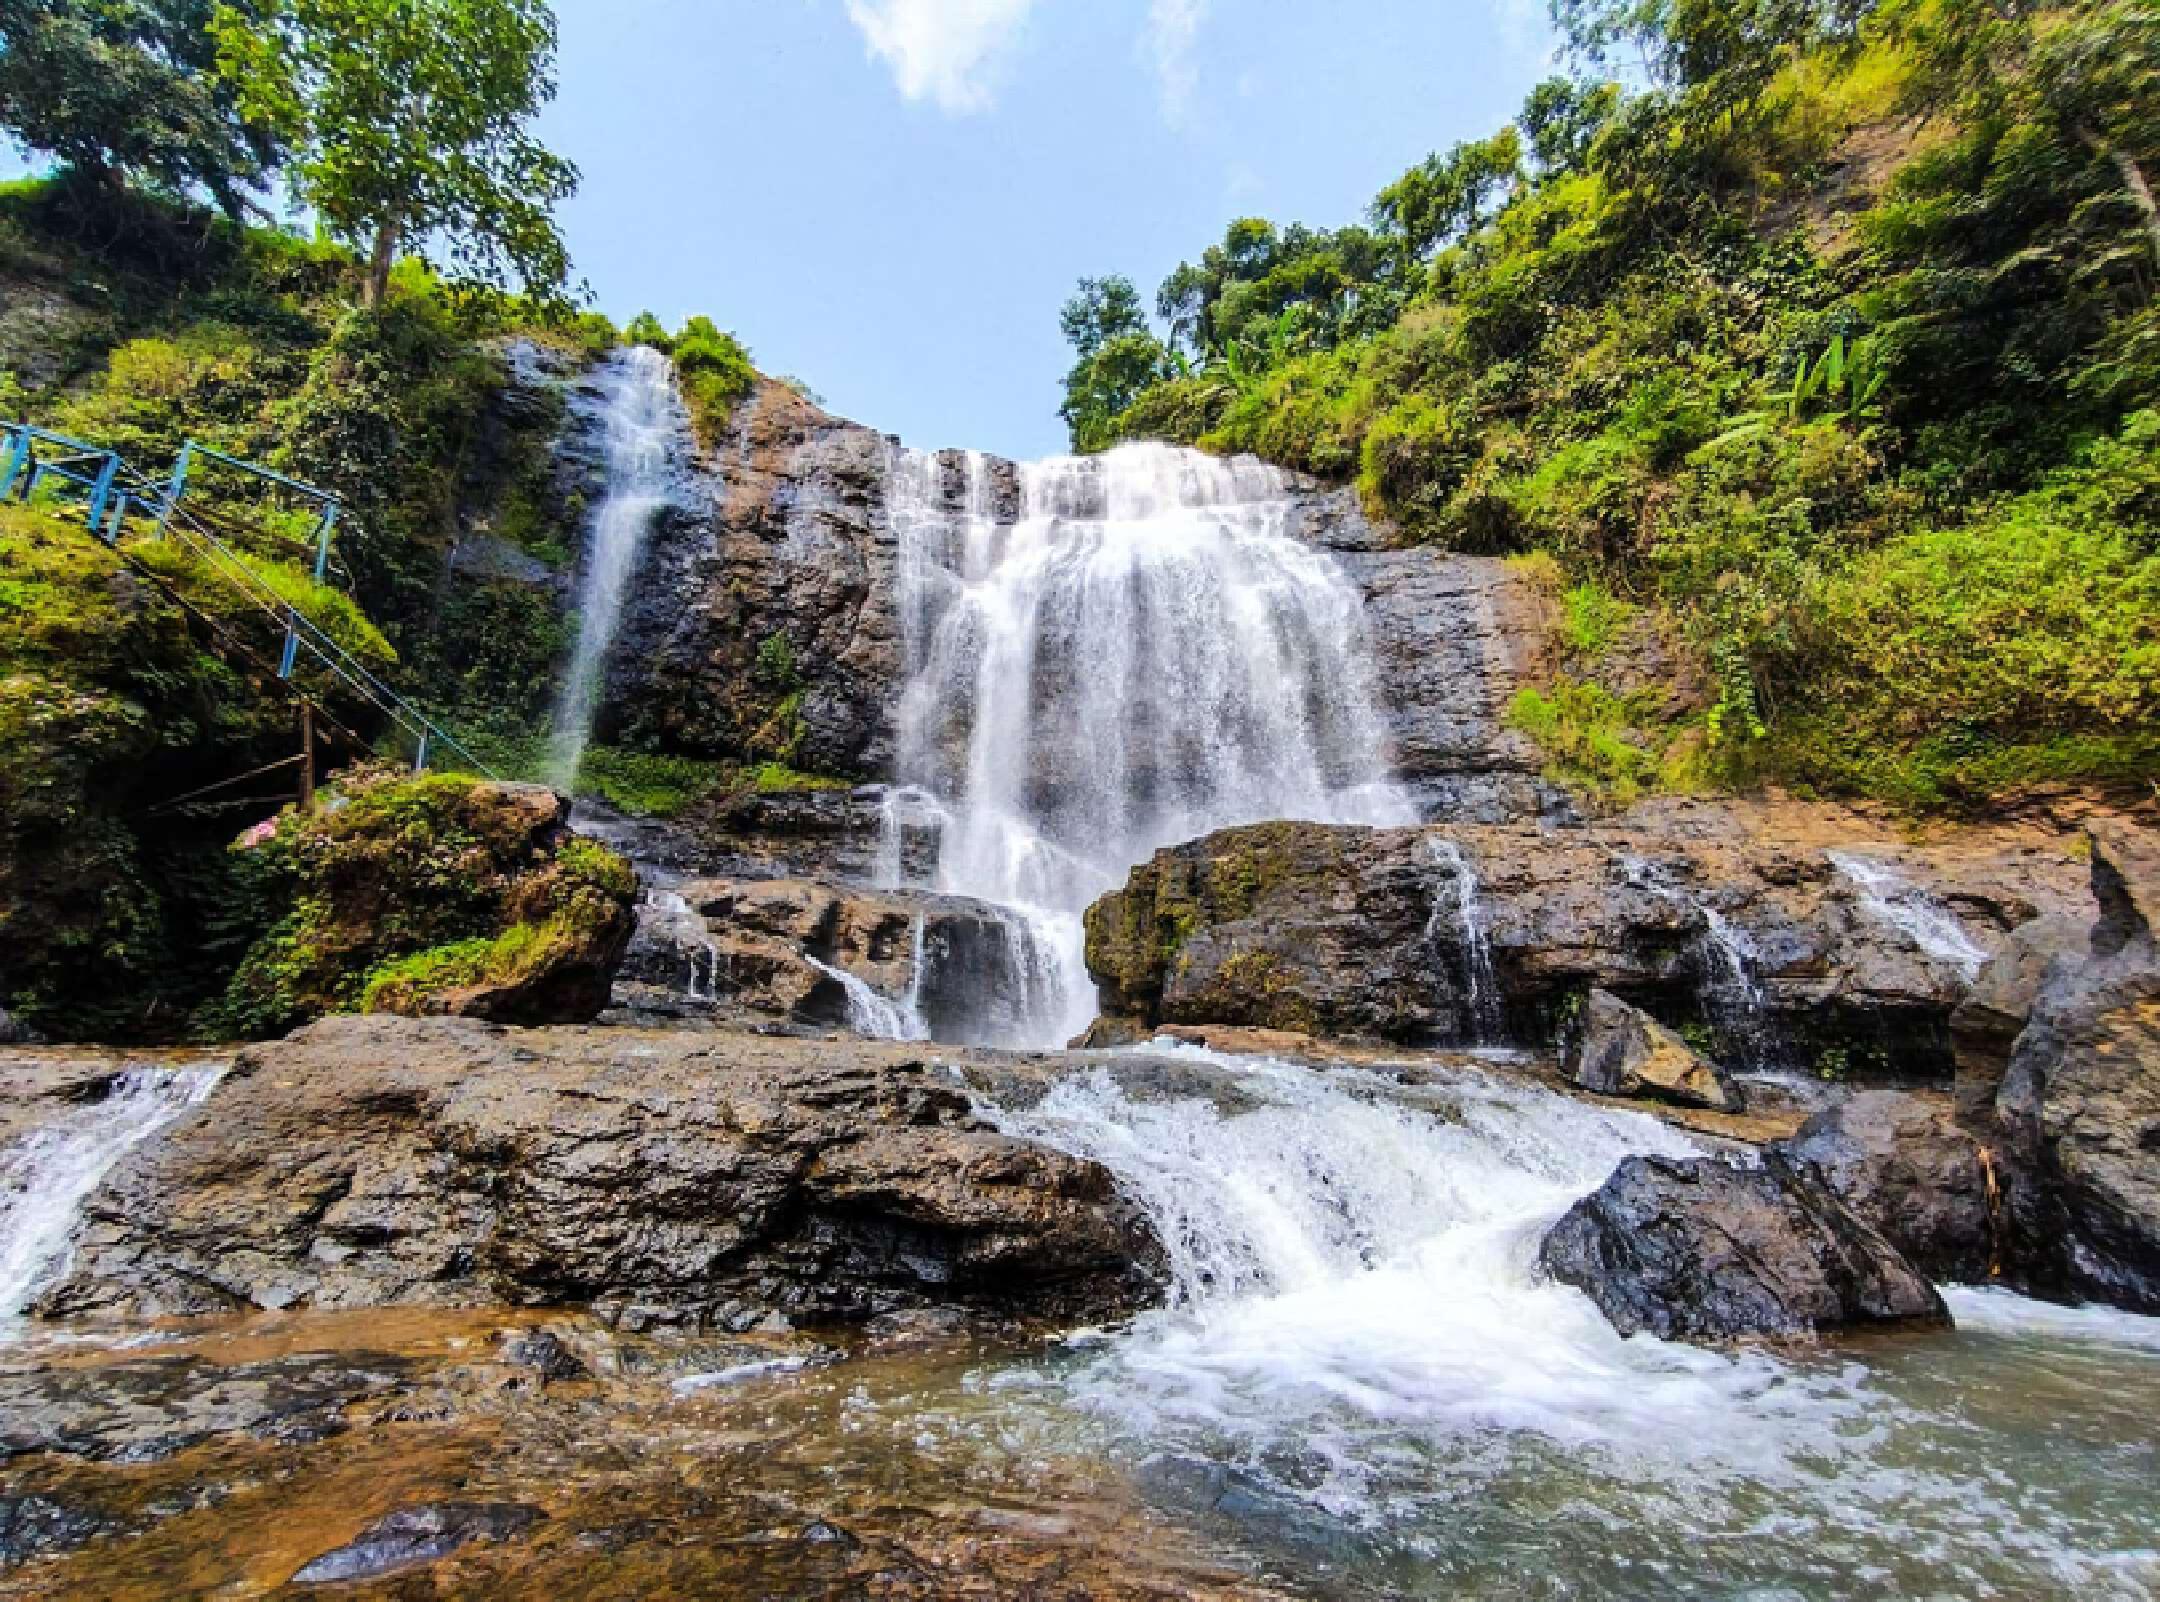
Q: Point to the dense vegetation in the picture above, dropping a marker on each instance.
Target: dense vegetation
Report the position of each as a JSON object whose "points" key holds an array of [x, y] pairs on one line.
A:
{"points": [[1831, 353]]}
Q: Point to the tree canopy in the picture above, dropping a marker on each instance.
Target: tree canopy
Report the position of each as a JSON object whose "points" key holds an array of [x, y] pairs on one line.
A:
{"points": [[126, 91], [409, 123]]}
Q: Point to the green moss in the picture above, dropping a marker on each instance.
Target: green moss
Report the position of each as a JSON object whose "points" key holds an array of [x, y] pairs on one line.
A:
{"points": [[1611, 748], [777, 778], [644, 784]]}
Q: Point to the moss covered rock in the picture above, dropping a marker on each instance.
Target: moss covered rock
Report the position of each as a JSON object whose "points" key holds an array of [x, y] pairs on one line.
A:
{"points": [[432, 894]]}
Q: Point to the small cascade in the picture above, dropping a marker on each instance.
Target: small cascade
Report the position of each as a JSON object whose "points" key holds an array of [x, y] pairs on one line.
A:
{"points": [[667, 920], [1457, 902], [1142, 655], [1904, 906], [911, 824], [47, 1174], [646, 427], [871, 1015], [1732, 992]]}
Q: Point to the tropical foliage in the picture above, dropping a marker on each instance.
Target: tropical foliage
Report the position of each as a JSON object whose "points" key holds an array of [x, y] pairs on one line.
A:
{"points": [[1832, 342]]}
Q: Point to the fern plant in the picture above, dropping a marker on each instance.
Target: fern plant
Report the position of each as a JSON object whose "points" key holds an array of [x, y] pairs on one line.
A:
{"points": [[1843, 384]]}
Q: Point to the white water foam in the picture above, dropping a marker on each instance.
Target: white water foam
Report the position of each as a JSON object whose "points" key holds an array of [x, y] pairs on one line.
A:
{"points": [[1144, 656], [48, 1173], [1361, 1369]]}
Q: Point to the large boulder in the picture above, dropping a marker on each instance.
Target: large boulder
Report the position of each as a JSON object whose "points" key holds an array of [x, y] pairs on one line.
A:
{"points": [[1618, 1050], [430, 894], [1699, 1250], [1901, 1163], [662, 1176], [1985, 1027], [1797, 932], [2079, 1106]]}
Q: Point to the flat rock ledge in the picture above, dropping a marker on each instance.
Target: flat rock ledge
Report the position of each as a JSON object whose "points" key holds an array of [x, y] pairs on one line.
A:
{"points": [[661, 1178], [1704, 1251]]}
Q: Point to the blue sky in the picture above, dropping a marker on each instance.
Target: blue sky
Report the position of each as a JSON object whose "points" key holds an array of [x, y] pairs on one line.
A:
{"points": [[891, 198]]}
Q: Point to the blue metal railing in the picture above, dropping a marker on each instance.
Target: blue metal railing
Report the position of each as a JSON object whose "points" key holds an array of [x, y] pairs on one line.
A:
{"points": [[111, 489]]}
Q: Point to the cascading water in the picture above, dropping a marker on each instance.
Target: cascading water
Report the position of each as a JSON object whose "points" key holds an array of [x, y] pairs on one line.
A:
{"points": [[1457, 902], [871, 1015], [1362, 1376], [646, 426], [1144, 656], [1732, 994], [1905, 907], [46, 1174]]}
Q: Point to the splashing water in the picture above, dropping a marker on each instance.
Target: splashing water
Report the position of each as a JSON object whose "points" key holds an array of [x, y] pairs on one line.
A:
{"points": [[871, 1015], [1362, 1376], [47, 1174], [1143, 657], [646, 426], [1907, 908]]}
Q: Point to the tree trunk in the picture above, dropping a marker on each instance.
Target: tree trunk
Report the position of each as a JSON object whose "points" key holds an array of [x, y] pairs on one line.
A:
{"points": [[2133, 177], [380, 263]]}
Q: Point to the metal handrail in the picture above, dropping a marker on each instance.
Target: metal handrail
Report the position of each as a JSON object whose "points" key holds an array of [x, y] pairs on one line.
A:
{"points": [[116, 485]]}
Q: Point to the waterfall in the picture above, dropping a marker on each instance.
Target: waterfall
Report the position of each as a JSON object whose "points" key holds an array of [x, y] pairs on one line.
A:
{"points": [[1732, 995], [47, 1174], [1459, 902], [1353, 1270], [645, 427], [668, 922], [1905, 907], [1140, 656], [873, 1016]]}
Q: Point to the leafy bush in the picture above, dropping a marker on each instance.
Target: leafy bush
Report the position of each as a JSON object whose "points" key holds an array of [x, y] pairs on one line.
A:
{"points": [[716, 376]]}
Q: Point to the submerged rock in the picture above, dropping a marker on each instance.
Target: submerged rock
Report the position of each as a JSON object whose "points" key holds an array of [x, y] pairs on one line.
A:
{"points": [[153, 1408], [378, 1161], [415, 1535], [1618, 1050], [1699, 1250]]}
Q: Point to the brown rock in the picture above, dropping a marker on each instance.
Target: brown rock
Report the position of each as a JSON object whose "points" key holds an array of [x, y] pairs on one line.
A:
{"points": [[663, 1176], [1618, 1050], [1902, 1164]]}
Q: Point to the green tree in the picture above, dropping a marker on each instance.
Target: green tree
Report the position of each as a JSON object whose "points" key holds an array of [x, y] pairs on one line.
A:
{"points": [[127, 90], [410, 120], [1119, 358], [1445, 197], [1562, 119]]}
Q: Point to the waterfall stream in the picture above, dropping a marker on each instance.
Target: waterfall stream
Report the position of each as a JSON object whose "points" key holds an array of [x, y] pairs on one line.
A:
{"points": [[1904, 906], [47, 1174], [645, 427], [1141, 656]]}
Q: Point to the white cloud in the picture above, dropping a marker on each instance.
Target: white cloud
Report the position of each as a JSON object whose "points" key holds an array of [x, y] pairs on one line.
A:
{"points": [[945, 51], [1173, 30]]}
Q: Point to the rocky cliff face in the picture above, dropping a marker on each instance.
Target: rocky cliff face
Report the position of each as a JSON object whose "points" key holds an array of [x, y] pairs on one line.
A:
{"points": [[764, 624], [785, 534], [1793, 934]]}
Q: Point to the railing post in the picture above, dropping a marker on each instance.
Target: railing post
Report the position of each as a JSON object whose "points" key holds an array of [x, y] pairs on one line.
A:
{"points": [[420, 760], [176, 488], [322, 544], [101, 491], [292, 648], [18, 453]]}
